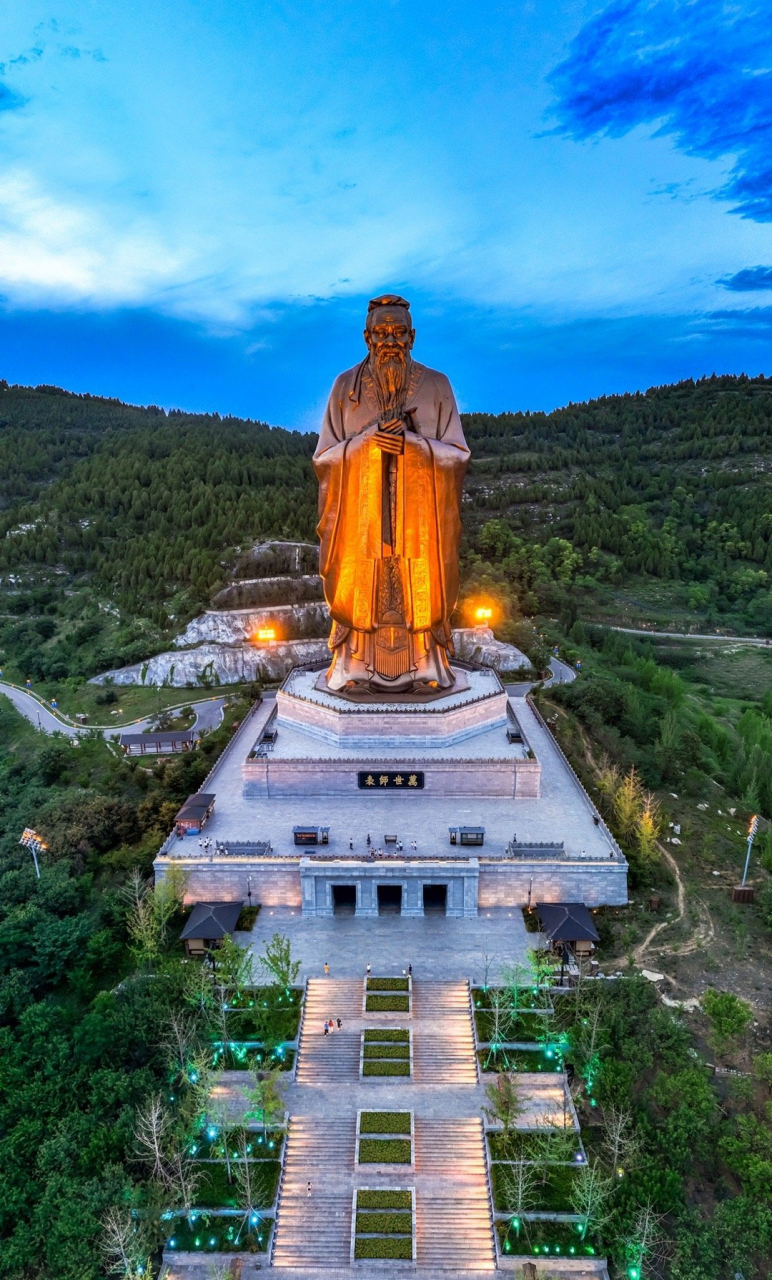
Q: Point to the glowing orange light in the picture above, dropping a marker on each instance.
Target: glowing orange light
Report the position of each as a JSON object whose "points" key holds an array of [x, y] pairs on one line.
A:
{"points": [[483, 614], [266, 633]]}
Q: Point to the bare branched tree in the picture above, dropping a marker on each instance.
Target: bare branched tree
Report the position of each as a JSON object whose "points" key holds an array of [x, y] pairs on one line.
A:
{"points": [[121, 1246], [645, 1242], [518, 1187], [590, 1191], [620, 1141], [179, 1040], [152, 1131]]}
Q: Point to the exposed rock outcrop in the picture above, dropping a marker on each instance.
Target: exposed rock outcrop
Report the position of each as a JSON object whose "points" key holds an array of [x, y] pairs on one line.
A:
{"points": [[478, 644], [269, 559], [230, 661], [249, 593], [215, 664], [233, 626]]}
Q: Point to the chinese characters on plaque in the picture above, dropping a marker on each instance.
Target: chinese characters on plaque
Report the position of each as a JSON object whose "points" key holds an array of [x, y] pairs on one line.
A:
{"points": [[404, 780]]}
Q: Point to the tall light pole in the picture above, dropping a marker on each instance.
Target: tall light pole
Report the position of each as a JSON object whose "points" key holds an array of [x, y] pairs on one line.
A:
{"points": [[752, 829], [35, 843]]}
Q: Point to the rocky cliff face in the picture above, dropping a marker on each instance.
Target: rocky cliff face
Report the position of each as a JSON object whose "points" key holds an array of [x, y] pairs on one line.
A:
{"points": [[218, 661], [250, 593], [233, 626], [216, 664]]}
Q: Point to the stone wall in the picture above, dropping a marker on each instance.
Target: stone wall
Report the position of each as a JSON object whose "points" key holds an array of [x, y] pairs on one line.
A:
{"points": [[275, 881], [506, 884], [271, 776]]}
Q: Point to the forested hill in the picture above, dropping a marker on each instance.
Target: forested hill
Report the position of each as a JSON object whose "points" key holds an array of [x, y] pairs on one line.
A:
{"points": [[146, 507]]}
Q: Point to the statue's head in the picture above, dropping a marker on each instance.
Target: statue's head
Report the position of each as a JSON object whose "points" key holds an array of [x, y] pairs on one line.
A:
{"points": [[389, 331]]}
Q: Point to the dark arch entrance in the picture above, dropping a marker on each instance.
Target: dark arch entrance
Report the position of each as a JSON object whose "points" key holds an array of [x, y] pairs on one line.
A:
{"points": [[344, 899], [435, 899], [389, 899]]}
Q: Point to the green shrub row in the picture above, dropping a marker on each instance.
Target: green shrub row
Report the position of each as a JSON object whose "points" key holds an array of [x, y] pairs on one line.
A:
{"points": [[387, 1004], [393, 1224], [383, 1247], [384, 1122], [385, 1068], [384, 1200], [387, 1051], [387, 1035], [388, 984], [385, 1151]]}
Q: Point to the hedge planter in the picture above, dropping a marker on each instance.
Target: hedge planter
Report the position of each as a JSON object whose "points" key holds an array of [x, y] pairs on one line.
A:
{"points": [[395, 1051], [383, 1226], [385, 1122], [219, 1233], [382, 1068], [398, 1248], [388, 995], [385, 1151], [386, 1054], [387, 1004]]}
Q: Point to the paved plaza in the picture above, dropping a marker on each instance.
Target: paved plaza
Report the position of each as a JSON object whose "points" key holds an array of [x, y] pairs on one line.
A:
{"points": [[562, 813], [439, 948]]}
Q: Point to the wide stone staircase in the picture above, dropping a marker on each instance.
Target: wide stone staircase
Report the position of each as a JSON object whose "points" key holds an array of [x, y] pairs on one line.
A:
{"points": [[454, 1230], [331, 1059], [315, 1230], [443, 1039]]}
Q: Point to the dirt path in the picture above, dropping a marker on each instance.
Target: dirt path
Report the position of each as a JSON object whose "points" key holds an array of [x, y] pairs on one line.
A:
{"points": [[704, 932]]}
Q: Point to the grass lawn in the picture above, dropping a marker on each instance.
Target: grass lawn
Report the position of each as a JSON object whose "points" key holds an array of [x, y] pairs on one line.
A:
{"points": [[551, 1239], [216, 1192], [209, 1234], [387, 1035], [551, 1192]]}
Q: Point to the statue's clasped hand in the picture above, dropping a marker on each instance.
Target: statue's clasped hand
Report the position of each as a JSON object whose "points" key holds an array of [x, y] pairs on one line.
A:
{"points": [[390, 436]]}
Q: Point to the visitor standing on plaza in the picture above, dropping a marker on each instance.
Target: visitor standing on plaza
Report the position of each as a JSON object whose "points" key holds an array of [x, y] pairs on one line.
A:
{"points": [[326, 969]]}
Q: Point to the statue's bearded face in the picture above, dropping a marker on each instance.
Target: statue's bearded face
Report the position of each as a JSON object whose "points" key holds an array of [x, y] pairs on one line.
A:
{"points": [[390, 338]]}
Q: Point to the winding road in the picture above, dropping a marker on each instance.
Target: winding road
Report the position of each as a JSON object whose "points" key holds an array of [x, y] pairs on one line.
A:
{"points": [[689, 635], [209, 714]]}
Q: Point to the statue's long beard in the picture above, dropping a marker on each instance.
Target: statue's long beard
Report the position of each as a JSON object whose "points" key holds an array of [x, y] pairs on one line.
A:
{"points": [[391, 375]]}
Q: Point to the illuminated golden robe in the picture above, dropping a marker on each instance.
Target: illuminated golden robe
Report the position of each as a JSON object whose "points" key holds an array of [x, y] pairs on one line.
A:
{"points": [[389, 530]]}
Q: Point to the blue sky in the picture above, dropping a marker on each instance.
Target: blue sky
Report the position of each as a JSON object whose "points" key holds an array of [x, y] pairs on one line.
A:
{"points": [[197, 199]]}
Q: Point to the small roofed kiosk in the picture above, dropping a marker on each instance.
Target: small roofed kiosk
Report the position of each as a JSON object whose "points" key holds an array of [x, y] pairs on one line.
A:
{"points": [[159, 744], [195, 813], [568, 924], [209, 923]]}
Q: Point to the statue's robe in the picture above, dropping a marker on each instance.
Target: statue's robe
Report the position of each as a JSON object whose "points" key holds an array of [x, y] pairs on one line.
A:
{"points": [[389, 529]]}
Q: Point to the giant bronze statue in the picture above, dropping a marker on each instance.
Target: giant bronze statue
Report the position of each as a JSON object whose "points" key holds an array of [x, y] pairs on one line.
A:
{"points": [[391, 460]]}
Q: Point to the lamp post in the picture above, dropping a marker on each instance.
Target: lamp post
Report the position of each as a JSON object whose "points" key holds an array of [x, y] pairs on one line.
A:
{"points": [[35, 843], [249, 890], [752, 829]]}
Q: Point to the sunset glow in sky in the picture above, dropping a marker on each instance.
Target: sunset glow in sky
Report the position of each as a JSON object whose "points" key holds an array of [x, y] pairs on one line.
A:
{"points": [[197, 199]]}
